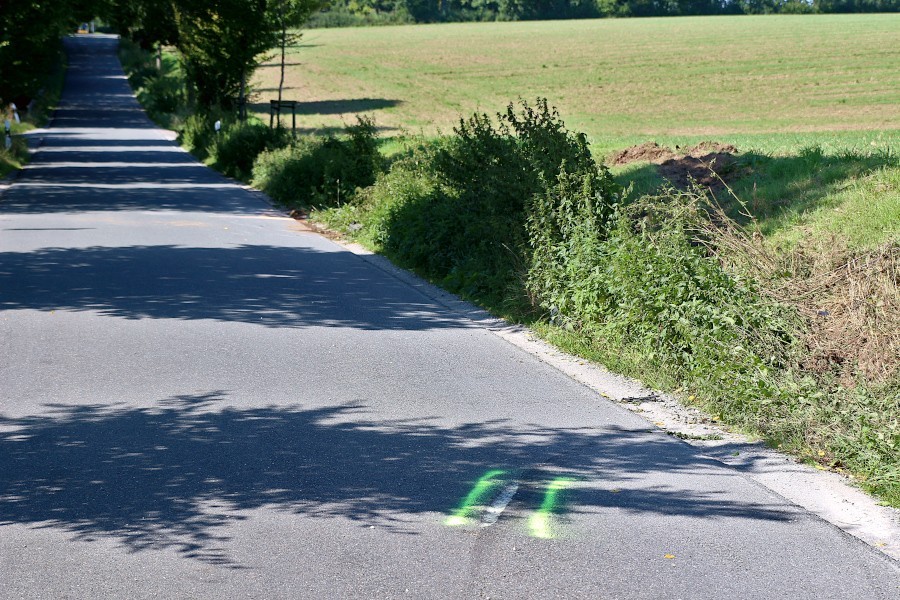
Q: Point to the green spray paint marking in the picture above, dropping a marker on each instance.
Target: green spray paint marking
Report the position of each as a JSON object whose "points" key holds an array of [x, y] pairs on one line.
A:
{"points": [[470, 504], [539, 522]]}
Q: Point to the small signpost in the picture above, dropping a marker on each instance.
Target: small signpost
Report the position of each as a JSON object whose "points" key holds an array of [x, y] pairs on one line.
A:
{"points": [[275, 107]]}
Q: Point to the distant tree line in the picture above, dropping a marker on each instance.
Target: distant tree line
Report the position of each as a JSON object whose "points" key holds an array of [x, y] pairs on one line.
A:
{"points": [[360, 12]]}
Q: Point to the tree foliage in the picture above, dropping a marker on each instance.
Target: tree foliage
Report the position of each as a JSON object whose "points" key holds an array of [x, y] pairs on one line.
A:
{"points": [[29, 43], [220, 41], [423, 11]]}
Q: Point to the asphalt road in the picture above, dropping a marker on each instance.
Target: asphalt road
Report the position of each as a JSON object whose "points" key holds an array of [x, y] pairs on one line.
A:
{"points": [[199, 400]]}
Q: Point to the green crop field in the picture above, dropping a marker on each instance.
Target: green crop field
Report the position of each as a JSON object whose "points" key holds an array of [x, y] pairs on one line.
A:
{"points": [[766, 82]]}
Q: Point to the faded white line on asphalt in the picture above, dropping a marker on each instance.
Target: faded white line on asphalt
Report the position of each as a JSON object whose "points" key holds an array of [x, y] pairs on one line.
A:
{"points": [[493, 512]]}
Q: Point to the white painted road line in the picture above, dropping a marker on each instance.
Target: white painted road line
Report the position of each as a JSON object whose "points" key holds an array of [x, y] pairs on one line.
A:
{"points": [[493, 512]]}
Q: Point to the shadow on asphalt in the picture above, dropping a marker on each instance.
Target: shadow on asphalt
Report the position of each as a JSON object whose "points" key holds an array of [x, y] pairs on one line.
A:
{"points": [[272, 286], [176, 475]]}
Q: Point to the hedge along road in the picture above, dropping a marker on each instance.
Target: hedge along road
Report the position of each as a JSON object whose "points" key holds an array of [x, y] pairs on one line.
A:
{"points": [[198, 400]]}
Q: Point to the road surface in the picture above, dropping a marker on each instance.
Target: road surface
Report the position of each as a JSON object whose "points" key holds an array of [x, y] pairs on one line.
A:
{"points": [[200, 400]]}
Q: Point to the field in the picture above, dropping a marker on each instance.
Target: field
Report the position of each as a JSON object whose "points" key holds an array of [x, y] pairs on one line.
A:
{"points": [[761, 82], [773, 86]]}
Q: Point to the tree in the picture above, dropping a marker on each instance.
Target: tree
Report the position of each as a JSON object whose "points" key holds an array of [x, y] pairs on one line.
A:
{"points": [[285, 14], [29, 44], [220, 41]]}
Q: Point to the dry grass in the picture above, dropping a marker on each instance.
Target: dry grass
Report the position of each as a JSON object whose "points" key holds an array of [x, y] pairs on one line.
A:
{"points": [[849, 298]]}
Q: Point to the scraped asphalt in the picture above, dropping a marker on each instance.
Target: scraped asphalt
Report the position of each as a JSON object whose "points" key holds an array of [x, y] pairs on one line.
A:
{"points": [[200, 400]]}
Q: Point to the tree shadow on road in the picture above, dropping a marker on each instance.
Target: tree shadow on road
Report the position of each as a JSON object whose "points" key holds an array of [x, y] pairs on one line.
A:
{"points": [[272, 286], [175, 475]]}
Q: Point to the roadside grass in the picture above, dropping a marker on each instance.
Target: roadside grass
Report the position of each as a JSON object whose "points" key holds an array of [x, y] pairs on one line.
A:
{"points": [[160, 92], [808, 192]]}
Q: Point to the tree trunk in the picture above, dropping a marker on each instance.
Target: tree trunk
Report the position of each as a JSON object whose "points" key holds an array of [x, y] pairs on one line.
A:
{"points": [[281, 81], [242, 102], [283, 44]]}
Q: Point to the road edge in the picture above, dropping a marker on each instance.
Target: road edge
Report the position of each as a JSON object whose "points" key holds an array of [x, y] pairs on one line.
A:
{"points": [[827, 495]]}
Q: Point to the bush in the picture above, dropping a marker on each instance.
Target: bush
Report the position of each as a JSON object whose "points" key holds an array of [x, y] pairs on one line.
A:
{"points": [[460, 213], [14, 157], [235, 148], [314, 172], [161, 95], [198, 133]]}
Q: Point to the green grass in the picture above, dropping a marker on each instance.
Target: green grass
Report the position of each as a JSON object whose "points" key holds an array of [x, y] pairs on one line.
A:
{"points": [[618, 80], [812, 192], [773, 86]]}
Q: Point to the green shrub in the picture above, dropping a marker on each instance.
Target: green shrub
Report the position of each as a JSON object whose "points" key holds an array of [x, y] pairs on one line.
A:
{"points": [[654, 286], [567, 227], [14, 157], [198, 133], [236, 147], [320, 171], [460, 214], [161, 94]]}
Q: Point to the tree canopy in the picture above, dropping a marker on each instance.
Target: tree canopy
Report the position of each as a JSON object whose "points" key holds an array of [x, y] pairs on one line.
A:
{"points": [[29, 42], [373, 11]]}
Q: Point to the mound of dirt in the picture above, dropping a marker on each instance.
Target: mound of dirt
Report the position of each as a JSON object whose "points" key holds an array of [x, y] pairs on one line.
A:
{"points": [[709, 163], [648, 151], [710, 147], [709, 170]]}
